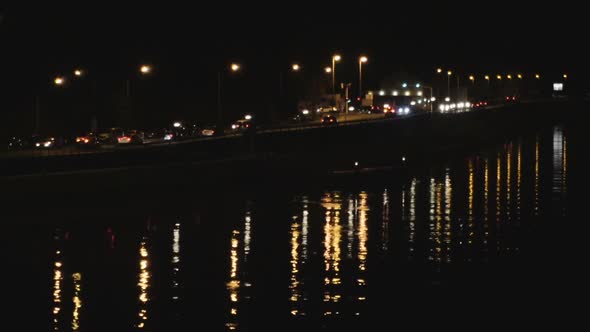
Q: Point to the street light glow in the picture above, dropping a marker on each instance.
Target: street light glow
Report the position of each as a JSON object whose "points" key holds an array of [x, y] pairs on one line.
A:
{"points": [[417, 85], [382, 93], [336, 57], [487, 77], [449, 73], [537, 76], [499, 77], [363, 59], [509, 76], [471, 78], [439, 70], [565, 76], [78, 72], [59, 80], [145, 69], [235, 67], [295, 67], [519, 76], [404, 85], [328, 70]]}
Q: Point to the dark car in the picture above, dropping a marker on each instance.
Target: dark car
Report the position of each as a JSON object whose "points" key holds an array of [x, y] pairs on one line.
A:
{"points": [[48, 142], [328, 120]]}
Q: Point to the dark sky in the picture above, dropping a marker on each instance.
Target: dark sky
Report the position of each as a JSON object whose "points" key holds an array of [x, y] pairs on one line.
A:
{"points": [[188, 44]]}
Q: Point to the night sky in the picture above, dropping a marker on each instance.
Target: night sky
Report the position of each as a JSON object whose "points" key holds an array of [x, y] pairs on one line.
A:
{"points": [[187, 46]]}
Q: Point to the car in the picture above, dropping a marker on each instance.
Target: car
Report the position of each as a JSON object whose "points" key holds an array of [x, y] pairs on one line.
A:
{"points": [[208, 131], [158, 136], [388, 111], [328, 120], [242, 125], [87, 140], [511, 99], [48, 142], [131, 136], [108, 136]]}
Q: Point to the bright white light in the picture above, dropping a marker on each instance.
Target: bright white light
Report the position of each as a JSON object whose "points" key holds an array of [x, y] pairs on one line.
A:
{"points": [[447, 99], [433, 99], [234, 126], [395, 92], [413, 103], [447, 107], [441, 107], [37, 144], [417, 85], [405, 85], [420, 93], [47, 144], [305, 112], [407, 93], [406, 110], [386, 106], [557, 86], [351, 108], [419, 101], [453, 106], [177, 124], [168, 137], [460, 105], [467, 104], [356, 163], [248, 117], [382, 93], [403, 158]]}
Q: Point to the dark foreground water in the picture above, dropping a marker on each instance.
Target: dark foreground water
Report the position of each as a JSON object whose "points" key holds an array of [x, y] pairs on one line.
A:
{"points": [[466, 243]]}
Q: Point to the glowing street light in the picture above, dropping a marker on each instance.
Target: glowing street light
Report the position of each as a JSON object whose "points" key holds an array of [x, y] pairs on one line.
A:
{"points": [[78, 72], [145, 69], [537, 76], [295, 67], [449, 73], [439, 70], [59, 80], [335, 58], [519, 76], [565, 76], [362, 59], [509, 76], [472, 78], [234, 67], [328, 70], [499, 77]]}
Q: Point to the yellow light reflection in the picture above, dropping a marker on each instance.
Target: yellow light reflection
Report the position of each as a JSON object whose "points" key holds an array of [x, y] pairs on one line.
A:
{"points": [[233, 285], [77, 300], [57, 292], [508, 183], [332, 251], [144, 283], [518, 179], [175, 261], [537, 176]]}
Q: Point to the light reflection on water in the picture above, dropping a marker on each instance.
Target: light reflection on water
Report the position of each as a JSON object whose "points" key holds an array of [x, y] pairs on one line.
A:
{"points": [[327, 254]]}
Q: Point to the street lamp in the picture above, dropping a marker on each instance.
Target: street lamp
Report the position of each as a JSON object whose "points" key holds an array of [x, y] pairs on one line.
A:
{"points": [[472, 78], [362, 59], [78, 72], [499, 77], [295, 67], [335, 58], [59, 81], [519, 76], [537, 76], [145, 69], [509, 76], [439, 70], [234, 67], [449, 73], [565, 76]]}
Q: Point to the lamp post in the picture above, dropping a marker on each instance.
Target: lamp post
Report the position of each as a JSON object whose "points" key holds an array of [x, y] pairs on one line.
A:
{"points": [[234, 67], [335, 58], [449, 73], [362, 59]]}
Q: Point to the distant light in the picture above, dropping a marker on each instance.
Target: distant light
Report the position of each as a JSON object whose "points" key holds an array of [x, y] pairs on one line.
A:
{"points": [[419, 93], [404, 85], [336, 57], [471, 78], [395, 92], [467, 104], [439, 70], [412, 103], [351, 108], [447, 99], [565, 76], [417, 85], [407, 93], [449, 73], [403, 158], [363, 59], [145, 69], [441, 107], [328, 70], [557, 86], [509, 76], [433, 99], [248, 117], [59, 80], [499, 77], [537, 76], [461, 105], [235, 67], [234, 126], [406, 110], [419, 101], [453, 106], [295, 67], [78, 72], [305, 112], [487, 77], [382, 93], [519, 76], [356, 163], [177, 124], [386, 106]]}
